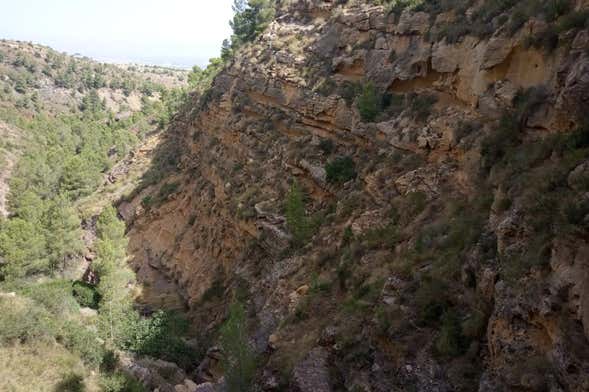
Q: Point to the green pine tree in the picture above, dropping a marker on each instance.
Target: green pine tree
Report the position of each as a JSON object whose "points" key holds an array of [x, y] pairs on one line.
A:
{"points": [[296, 218], [63, 232], [240, 360], [22, 249], [115, 308], [251, 18]]}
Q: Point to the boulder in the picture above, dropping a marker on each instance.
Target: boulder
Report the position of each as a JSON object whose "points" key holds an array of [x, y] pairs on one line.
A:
{"points": [[496, 52], [206, 387], [579, 177], [413, 23]]}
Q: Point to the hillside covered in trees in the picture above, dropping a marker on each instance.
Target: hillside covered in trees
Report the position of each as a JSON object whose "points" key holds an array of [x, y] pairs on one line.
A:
{"points": [[66, 123]]}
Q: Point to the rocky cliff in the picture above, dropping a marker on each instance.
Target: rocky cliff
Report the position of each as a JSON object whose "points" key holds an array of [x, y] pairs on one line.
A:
{"points": [[445, 177]]}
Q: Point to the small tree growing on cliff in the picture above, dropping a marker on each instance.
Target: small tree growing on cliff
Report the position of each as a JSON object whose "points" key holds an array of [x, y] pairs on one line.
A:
{"points": [[296, 218], [240, 360], [369, 103], [251, 18]]}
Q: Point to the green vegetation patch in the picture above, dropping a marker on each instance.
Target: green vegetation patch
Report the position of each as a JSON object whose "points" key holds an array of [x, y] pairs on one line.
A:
{"points": [[340, 170]]}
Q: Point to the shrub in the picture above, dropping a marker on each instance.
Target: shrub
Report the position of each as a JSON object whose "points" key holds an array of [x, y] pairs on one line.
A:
{"points": [[71, 383], [319, 286], [340, 170], [327, 146], [574, 20], [413, 205], [23, 321], [110, 360], [450, 342], [454, 32], [431, 300], [535, 254], [82, 341], [492, 9], [575, 212], [546, 40], [556, 8], [386, 237], [160, 336], [474, 327], [518, 18], [464, 129], [216, 290], [421, 105], [86, 294], [369, 103], [56, 296], [578, 139], [495, 145], [167, 189], [349, 91], [147, 201], [368, 292], [120, 382], [397, 6]]}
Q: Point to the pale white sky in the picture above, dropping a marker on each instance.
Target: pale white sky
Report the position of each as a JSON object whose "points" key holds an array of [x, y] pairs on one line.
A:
{"points": [[164, 32]]}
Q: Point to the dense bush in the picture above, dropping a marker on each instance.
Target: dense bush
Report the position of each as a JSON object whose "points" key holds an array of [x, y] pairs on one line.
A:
{"points": [[167, 189], [120, 382], [432, 300], [496, 144], [369, 103], [55, 296], [341, 170], [546, 40], [574, 20], [327, 146], [71, 383], [450, 341], [159, 336], [82, 341], [86, 294]]}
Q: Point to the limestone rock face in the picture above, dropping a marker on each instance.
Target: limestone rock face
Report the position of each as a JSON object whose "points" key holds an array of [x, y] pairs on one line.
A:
{"points": [[312, 374], [285, 109], [154, 374]]}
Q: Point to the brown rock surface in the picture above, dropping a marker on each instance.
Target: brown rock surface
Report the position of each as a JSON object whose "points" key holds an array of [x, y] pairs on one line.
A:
{"points": [[261, 125]]}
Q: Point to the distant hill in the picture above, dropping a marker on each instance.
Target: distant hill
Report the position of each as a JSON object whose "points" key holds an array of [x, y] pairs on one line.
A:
{"points": [[37, 77]]}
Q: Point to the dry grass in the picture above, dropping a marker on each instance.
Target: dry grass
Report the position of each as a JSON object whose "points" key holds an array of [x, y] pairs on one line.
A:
{"points": [[41, 367]]}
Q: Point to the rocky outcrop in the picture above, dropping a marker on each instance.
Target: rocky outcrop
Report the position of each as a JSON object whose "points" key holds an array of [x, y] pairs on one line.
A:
{"points": [[312, 374]]}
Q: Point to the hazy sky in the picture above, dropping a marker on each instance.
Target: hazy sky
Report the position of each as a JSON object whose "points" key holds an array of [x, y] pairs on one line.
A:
{"points": [[165, 32]]}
